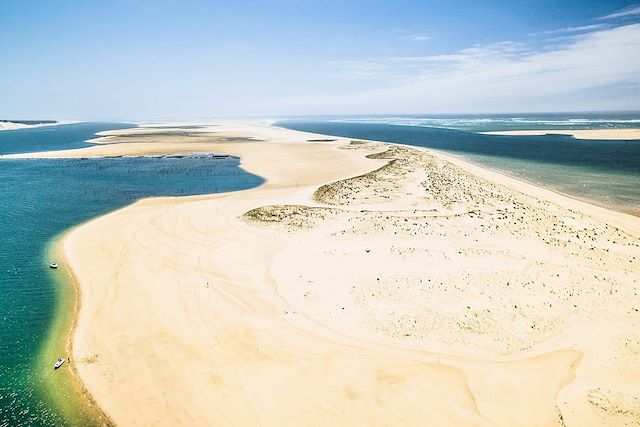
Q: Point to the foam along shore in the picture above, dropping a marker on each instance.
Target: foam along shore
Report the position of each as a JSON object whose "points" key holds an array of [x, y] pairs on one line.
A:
{"points": [[363, 284], [612, 134]]}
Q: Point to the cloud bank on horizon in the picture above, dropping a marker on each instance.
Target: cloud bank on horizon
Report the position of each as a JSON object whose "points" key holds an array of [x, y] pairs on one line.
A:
{"points": [[595, 70], [196, 59]]}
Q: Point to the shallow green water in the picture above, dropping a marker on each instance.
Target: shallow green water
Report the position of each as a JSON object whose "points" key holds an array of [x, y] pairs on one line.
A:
{"points": [[40, 199]]}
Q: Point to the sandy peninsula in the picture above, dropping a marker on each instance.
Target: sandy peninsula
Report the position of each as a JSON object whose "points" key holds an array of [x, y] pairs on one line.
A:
{"points": [[363, 284], [613, 134]]}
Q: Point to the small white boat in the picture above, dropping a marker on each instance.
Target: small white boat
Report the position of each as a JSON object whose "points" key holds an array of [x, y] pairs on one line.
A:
{"points": [[58, 363], [53, 265]]}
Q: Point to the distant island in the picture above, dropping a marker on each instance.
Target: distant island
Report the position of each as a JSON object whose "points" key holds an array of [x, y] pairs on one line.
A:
{"points": [[21, 124], [30, 122]]}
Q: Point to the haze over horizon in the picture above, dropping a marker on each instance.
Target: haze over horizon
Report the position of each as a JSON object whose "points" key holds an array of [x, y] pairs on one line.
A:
{"points": [[194, 59]]}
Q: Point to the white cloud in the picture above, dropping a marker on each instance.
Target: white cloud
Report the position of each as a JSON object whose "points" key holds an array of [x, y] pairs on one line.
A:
{"points": [[629, 11], [600, 68], [565, 30], [418, 37]]}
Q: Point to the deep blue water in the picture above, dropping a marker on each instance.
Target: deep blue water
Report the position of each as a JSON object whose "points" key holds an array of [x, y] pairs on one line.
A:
{"points": [[605, 172], [41, 198]]}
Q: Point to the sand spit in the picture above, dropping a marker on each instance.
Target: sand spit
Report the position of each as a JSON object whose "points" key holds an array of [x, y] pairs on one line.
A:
{"points": [[363, 284], [578, 134]]}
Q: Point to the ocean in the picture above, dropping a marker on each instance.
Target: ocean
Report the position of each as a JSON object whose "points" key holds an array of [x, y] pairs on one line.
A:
{"points": [[39, 200], [603, 172]]}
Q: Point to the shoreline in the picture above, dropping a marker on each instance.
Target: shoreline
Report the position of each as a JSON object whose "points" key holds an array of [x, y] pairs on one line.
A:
{"points": [[6, 126], [597, 203], [626, 220], [269, 183], [82, 404], [609, 134], [465, 163], [76, 401], [72, 398]]}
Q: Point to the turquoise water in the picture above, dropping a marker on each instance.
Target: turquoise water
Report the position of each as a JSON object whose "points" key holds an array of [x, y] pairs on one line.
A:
{"points": [[41, 198], [601, 171]]}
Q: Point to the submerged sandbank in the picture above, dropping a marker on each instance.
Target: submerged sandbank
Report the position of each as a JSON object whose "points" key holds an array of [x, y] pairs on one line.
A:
{"points": [[404, 289]]}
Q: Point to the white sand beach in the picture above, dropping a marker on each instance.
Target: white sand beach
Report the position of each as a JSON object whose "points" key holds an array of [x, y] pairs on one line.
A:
{"points": [[613, 134], [7, 125], [363, 284], [13, 126]]}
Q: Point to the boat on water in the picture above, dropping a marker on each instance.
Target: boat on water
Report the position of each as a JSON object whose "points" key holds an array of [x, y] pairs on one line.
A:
{"points": [[53, 265], [58, 363]]}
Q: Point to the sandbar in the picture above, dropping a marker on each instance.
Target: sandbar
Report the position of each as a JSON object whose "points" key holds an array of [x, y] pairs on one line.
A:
{"points": [[613, 134], [363, 283]]}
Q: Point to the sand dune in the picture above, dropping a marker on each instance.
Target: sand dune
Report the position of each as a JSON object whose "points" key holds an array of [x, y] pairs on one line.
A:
{"points": [[363, 284]]}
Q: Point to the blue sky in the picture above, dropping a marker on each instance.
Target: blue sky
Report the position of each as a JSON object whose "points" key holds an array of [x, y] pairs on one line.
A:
{"points": [[197, 59]]}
